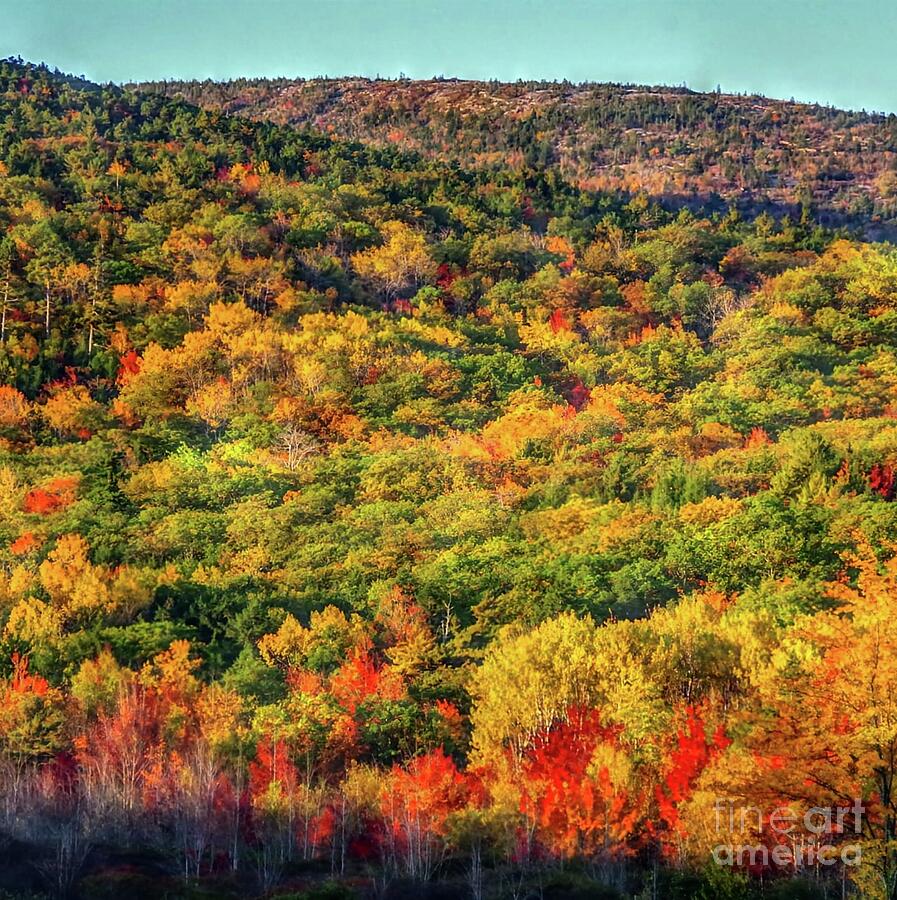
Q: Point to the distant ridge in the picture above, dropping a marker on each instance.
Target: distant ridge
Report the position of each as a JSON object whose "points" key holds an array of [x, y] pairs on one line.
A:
{"points": [[659, 140]]}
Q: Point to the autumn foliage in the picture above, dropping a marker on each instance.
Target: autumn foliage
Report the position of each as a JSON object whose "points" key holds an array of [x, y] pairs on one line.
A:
{"points": [[576, 789], [373, 517]]}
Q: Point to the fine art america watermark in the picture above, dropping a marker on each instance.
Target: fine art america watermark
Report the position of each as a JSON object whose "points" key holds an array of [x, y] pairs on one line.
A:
{"points": [[800, 839]]}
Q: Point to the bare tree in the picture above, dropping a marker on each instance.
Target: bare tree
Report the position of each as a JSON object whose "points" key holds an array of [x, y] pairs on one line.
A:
{"points": [[68, 840], [297, 445]]}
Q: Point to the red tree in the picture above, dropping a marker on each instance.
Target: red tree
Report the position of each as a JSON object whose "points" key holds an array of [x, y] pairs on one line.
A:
{"points": [[577, 801]]}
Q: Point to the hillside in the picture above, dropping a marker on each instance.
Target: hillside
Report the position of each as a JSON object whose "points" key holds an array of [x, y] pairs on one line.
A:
{"points": [[375, 526], [665, 141]]}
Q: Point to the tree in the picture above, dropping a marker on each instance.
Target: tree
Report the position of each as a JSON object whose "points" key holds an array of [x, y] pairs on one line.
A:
{"points": [[529, 682], [842, 667], [8, 255], [579, 789], [402, 262], [416, 803], [47, 258], [75, 585], [273, 787], [71, 411], [297, 445], [116, 756], [32, 719], [693, 752], [14, 408]]}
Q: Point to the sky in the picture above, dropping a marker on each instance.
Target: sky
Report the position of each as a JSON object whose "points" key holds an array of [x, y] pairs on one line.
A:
{"points": [[841, 53]]}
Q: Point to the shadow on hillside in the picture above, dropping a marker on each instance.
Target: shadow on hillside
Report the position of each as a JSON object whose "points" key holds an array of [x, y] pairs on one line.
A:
{"points": [[750, 205]]}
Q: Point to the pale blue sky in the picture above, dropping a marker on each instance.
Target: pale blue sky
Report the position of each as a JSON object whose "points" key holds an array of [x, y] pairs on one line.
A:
{"points": [[834, 52]]}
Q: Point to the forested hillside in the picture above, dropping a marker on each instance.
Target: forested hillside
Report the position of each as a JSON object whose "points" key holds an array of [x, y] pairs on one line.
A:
{"points": [[427, 530], [686, 147]]}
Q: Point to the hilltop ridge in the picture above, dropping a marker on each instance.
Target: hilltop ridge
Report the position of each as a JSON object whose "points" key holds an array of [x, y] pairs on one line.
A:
{"points": [[664, 141]]}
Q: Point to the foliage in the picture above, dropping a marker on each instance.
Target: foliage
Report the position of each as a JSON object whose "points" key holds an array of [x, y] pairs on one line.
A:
{"points": [[365, 513]]}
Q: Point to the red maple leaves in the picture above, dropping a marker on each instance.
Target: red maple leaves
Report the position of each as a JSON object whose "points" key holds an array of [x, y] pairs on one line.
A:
{"points": [[882, 480], [572, 794], [52, 497], [692, 753], [128, 366]]}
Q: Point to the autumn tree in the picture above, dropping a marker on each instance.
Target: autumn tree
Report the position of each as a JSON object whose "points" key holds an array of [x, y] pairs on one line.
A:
{"points": [[31, 727], [839, 664], [400, 263], [416, 803], [580, 789]]}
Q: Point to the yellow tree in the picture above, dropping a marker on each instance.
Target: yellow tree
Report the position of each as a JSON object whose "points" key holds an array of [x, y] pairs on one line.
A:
{"points": [[70, 410], [326, 642], [529, 682], [74, 584], [832, 738], [14, 408], [401, 262]]}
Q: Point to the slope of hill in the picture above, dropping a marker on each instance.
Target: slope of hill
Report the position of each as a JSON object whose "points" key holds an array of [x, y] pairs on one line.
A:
{"points": [[434, 531], [665, 141]]}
